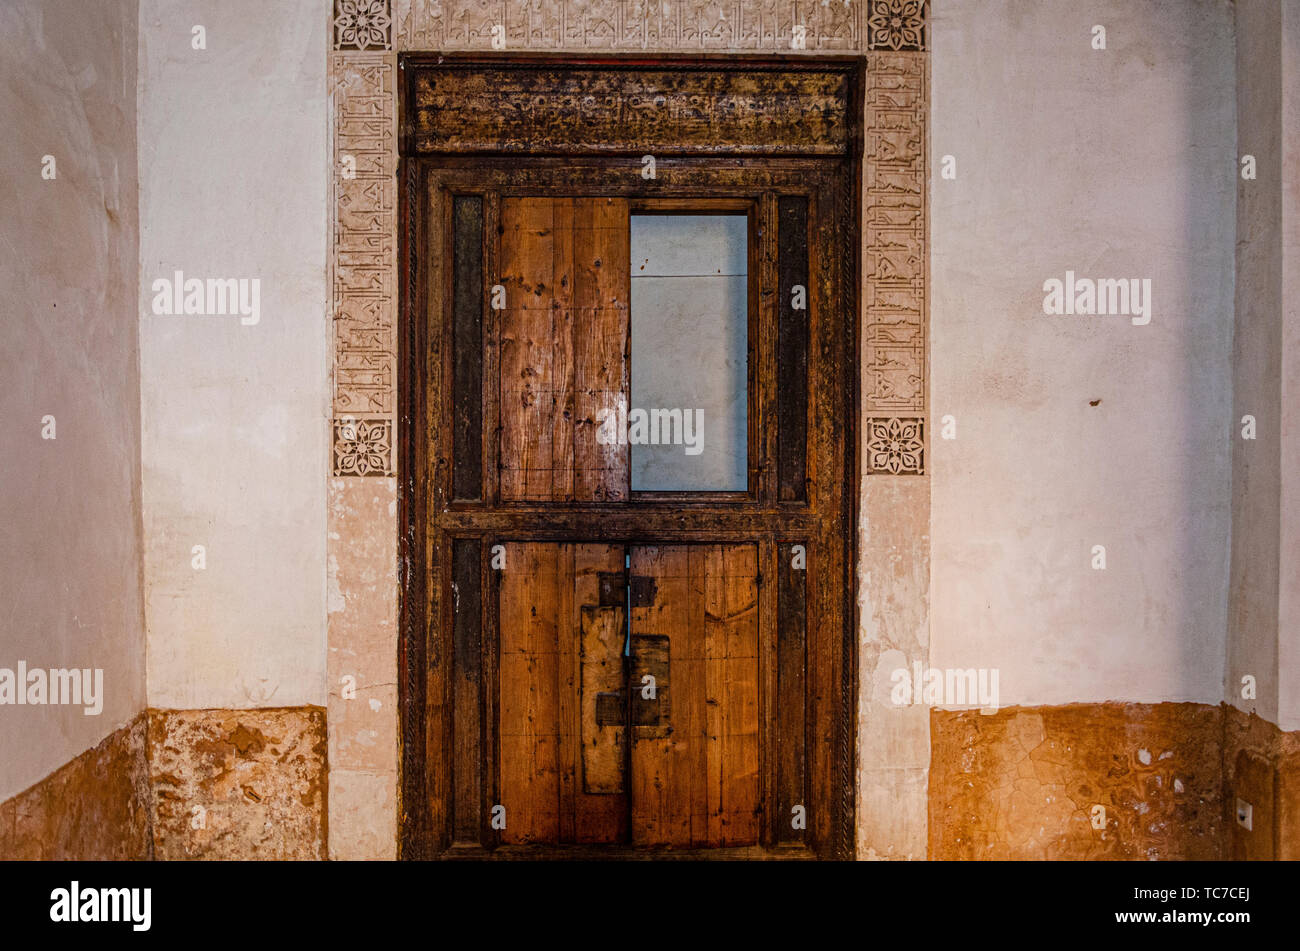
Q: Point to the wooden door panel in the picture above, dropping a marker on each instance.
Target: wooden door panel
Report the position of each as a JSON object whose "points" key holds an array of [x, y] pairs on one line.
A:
{"points": [[563, 347], [695, 767], [535, 331], [549, 597], [516, 677]]}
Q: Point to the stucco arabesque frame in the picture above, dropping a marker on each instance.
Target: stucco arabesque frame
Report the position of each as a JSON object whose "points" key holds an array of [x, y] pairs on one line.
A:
{"points": [[893, 499]]}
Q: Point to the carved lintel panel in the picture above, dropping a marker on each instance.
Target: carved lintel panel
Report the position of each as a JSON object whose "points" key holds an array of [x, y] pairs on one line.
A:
{"points": [[363, 263], [678, 25], [611, 109], [894, 255]]}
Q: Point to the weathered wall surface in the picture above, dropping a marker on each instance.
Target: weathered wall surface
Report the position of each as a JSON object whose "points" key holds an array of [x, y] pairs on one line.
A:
{"points": [[70, 509], [1077, 781], [1073, 431], [1112, 163], [93, 808], [233, 185], [238, 784], [1261, 768]]}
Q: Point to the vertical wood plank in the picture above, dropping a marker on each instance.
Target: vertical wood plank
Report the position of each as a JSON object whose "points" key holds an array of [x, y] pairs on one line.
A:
{"points": [[712, 597], [792, 347], [602, 274], [530, 782], [791, 599], [422, 676], [491, 396], [565, 687], [695, 780], [491, 689], [467, 346], [559, 414], [764, 305], [659, 817], [543, 709], [467, 722], [690, 696], [738, 611], [768, 716], [527, 380], [513, 753]]}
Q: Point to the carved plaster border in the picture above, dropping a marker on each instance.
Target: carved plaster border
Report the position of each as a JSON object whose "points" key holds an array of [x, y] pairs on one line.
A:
{"points": [[368, 34]]}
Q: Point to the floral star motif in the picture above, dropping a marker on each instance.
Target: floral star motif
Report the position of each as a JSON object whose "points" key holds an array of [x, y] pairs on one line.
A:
{"points": [[362, 447], [896, 24], [895, 445], [361, 24]]}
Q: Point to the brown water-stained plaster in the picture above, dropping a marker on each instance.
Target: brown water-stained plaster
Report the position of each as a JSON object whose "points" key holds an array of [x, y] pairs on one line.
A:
{"points": [[1024, 782], [257, 777], [1261, 765], [93, 808]]}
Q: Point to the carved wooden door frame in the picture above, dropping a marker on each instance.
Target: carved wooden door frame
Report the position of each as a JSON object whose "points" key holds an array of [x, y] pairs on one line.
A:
{"points": [[737, 128]]}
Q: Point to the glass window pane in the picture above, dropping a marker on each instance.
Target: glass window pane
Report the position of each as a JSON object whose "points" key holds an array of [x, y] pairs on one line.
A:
{"points": [[686, 422]]}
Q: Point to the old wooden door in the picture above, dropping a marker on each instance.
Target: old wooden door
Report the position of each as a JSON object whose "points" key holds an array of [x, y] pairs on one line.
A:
{"points": [[628, 454]]}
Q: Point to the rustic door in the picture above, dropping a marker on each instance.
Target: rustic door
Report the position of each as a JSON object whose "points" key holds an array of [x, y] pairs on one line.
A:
{"points": [[626, 589], [628, 683], [643, 734]]}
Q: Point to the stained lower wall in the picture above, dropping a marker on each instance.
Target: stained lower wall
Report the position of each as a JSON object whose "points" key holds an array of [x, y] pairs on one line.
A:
{"points": [[95, 807], [238, 784], [1028, 782], [1112, 781], [1261, 769], [183, 784]]}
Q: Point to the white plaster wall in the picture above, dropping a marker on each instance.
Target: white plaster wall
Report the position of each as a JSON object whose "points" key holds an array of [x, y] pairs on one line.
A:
{"points": [[70, 508], [1115, 163], [1256, 364], [233, 178]]}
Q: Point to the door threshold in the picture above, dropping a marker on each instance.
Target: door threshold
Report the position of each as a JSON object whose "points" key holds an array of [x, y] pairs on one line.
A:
{"points": [[624, 853]]}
